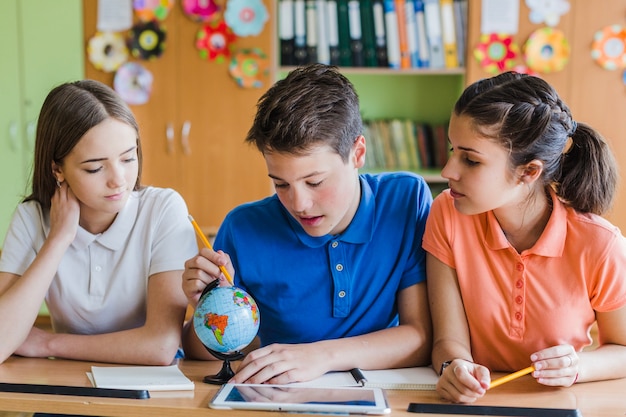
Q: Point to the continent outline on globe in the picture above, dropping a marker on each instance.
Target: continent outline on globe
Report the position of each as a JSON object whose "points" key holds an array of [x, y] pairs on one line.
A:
{"points": [[226, 319]]}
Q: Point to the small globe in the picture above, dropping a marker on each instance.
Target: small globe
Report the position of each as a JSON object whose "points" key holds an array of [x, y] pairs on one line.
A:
{"points": [[226, 319]]}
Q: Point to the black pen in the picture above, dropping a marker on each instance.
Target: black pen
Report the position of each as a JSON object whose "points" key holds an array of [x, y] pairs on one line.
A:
{"points": [[358, 376]]}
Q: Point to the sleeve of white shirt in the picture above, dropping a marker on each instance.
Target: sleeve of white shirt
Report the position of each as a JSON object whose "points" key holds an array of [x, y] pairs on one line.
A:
{"points": [[24, 238], [174, 239]]}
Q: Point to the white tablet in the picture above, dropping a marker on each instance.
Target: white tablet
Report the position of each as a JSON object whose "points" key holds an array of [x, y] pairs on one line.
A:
{"points": [[342, 400]]}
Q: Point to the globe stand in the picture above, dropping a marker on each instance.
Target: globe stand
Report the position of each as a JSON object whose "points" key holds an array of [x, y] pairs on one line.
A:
{"points": [[226, 373]]}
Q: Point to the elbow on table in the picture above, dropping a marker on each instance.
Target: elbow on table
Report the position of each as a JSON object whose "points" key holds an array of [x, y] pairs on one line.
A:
{"points": [[7, 351], [423, 352], [161, 355], [159, 360], [4, 356]]}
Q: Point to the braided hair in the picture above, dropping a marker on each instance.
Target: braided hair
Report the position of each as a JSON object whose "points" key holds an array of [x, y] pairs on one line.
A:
{"points": [[528, 118]]}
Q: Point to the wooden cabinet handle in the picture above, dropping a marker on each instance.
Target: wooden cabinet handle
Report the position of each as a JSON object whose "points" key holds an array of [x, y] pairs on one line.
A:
{"points": [[30, 135], [13, 136], [169, 136], [184, 137]]}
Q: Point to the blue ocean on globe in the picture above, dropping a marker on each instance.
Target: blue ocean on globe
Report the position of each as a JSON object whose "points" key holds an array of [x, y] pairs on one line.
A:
{"points": [[226, 319]]}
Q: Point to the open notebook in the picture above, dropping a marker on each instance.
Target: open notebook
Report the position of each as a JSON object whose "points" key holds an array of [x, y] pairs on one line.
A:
{"points": [[418, 378]]}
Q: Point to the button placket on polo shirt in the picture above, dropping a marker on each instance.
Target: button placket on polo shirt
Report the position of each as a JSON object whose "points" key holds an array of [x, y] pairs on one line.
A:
{"points": [[341, 279], [518, 300], [96, 267]]}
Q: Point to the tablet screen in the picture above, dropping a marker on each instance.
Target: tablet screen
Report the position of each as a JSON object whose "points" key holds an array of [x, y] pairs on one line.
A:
{"points": [[357, 400]]}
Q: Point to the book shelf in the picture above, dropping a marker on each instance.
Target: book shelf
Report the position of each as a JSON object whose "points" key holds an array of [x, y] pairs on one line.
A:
{"points": [[423, 95]]}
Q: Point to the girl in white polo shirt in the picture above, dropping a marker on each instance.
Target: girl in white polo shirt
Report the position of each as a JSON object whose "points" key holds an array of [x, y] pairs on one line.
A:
{"points": [[105, 253]]}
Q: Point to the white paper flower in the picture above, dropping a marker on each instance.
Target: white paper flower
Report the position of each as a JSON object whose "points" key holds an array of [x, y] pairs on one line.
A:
{"points": [[547, 11]]}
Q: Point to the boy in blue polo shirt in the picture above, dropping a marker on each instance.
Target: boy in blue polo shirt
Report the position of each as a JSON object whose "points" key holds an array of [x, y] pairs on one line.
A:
{"points": [[333, 258]]}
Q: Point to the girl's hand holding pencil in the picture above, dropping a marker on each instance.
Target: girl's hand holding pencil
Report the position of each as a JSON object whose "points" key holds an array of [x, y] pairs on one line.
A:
{"points": [[511, 377]]}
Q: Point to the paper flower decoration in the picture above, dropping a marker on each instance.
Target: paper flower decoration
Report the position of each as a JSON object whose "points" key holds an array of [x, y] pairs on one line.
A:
{"points": [[246, 17], [547, 11], [546, 50], [147, 10], [214, 41], [133, 83], [147, 40], [203, 11], [496, 52], [609, 47], [248, 67], [107, 51]]}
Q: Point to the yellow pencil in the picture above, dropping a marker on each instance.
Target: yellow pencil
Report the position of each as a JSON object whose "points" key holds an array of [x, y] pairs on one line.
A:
{"points": [[208, 245], [511, 377]]}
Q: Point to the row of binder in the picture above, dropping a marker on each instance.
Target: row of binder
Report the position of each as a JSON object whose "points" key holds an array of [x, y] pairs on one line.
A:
{"points": [[402, 144], [395, 34]]}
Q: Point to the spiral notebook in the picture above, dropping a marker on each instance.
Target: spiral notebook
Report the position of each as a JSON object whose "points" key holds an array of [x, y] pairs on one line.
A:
{"points": [[417, 378]]}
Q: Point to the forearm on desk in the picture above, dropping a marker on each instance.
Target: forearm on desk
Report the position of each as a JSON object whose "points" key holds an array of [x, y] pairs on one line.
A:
{"points": [[605, 362], [154, 343], [396, 347], [22, 296], [140, 346]]}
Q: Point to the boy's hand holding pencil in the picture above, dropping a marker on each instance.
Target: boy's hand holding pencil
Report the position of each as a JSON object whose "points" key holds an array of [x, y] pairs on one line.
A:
{"points": [[207, 244]]}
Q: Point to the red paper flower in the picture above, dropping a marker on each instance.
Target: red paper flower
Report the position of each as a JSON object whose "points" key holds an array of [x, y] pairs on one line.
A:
{"points": [[496, 52], [215, 41]]}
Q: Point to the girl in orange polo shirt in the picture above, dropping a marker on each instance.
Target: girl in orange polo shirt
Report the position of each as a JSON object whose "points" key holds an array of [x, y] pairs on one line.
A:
{"points": [[520, 263]]}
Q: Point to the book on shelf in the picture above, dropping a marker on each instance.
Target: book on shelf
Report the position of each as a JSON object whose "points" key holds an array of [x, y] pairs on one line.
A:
{"points": [[392, 34], [368, 33], [300, 46], [411, 32], [343, 24], [311, 31], [432, 15], [286, 31], [397, 134], [151, 378], [448, 34], [416, 378], [403, 35], [374, 146], [323, 46], [333, 31], [384, 135], [424, 139], [440, 144], [460, 29], [380, 33], [423, 49], [411, 144], [356, 34]]}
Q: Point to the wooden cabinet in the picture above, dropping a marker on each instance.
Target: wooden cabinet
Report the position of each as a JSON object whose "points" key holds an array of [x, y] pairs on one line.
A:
{"points": [[41, 46], [210, 166], [595, 96]]}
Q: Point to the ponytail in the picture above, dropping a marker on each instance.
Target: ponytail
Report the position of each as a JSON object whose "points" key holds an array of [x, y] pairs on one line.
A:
{"points": [[588, 176]]}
